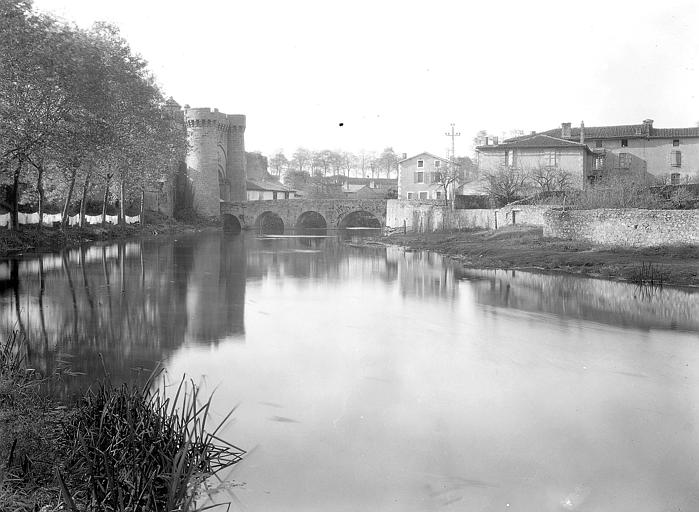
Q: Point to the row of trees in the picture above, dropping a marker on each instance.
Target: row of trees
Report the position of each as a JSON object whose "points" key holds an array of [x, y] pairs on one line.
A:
{"points": [[79, 114], [335, 163]]}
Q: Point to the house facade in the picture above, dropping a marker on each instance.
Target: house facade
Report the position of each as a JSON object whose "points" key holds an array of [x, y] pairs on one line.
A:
{"points": [[656, 155], [419, 177], [264, 190], [538, 152]]}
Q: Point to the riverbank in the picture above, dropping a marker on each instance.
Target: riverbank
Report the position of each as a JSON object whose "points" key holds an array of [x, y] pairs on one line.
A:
{"points": [[118, 448], [31, 239], [525, 248]]}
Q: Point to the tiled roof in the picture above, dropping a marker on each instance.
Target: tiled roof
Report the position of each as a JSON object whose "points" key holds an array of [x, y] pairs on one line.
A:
{"points": [[267, 185], [535, 141], [675, 132], [424, 153], [623, 131]]}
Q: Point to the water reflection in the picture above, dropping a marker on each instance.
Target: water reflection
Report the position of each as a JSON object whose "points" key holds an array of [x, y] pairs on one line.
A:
{"points": [[597, 300], [377, 379], [135, 303]]}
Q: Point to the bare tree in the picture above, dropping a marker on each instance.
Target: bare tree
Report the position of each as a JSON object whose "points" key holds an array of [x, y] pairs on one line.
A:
{"points": [[505, 184], [549, 178]]}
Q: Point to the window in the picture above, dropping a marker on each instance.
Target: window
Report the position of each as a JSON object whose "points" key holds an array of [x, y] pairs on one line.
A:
{"points": [[438, 195], [551, 159], [598, 143], [624, 161], [676, 142], [410, 195], [420, 164], [437, 163], [676, 158], [675, 178], [510, 158], [436, 177], [423, 195], [624, 143], [599, 162], [420, 177]]}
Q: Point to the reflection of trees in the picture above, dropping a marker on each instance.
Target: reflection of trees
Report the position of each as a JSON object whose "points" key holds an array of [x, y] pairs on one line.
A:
{"points": [[131, 303], [597, 300]]}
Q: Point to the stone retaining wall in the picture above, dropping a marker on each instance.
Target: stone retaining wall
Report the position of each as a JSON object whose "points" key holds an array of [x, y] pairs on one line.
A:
{"points": [[429, 216], [627, 227]]}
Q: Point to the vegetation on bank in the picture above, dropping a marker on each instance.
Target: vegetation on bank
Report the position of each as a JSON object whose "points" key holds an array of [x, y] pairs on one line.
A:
{"points": [[124, 448], [34, 239], [523, 247], [82, 119]]}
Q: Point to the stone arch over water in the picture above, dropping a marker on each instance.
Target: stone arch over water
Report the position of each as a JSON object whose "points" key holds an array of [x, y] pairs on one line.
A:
{"points": [[269, 222], [231, 224], [359, 219], [311, 220]]}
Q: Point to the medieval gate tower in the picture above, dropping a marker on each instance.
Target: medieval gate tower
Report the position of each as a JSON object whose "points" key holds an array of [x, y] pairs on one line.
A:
{"points": [[215, 158]]}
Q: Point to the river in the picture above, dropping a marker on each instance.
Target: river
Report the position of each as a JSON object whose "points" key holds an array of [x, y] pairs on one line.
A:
{"points": [[369, 378]]}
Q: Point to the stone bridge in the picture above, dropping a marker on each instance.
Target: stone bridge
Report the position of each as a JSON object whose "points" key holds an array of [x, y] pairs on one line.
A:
{"points": [[335, 213]]}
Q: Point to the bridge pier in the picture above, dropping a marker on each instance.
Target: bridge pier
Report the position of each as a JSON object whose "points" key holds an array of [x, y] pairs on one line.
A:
{"points": [[333, 211]]}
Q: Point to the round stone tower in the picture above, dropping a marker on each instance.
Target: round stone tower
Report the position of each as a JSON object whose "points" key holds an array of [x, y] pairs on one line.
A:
{"points": [[216, 149], [235, 169]]}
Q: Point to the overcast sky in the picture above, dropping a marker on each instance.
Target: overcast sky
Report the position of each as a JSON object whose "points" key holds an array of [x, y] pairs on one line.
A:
{"points": [[398, 73]]}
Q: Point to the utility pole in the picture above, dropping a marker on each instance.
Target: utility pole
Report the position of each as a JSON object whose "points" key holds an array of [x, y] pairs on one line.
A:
{"points": [[453, 135]]}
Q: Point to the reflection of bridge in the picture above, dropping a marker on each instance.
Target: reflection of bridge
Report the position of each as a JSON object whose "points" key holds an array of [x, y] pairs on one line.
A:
{"points": [[336, 213]]}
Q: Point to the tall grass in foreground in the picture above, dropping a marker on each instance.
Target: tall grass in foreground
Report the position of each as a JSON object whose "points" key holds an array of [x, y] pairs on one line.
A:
{"points": [[120, 449], [139, 450]]}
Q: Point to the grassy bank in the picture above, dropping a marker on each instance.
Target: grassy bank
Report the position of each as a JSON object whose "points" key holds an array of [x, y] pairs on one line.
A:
{"points": [[520, 247], [31, 239], [118, 449]]}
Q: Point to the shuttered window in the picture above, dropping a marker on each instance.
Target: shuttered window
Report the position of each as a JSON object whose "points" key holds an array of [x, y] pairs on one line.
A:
{"points": [[624, 161], [675, 178], [676, 158]]}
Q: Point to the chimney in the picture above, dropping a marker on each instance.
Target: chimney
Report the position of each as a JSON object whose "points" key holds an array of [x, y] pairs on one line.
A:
{"points": [[533, 132], [565, 130], [405, 155], [495, 141], [582, 132], [647, 126]]}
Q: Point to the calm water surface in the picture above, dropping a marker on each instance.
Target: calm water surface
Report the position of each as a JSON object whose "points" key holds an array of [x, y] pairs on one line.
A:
{"points": [[369, 378]]}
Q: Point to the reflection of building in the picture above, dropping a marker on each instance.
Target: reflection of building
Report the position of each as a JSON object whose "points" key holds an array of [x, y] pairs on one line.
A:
{"points": [[216, 289], [423, 274], [596, 300]]}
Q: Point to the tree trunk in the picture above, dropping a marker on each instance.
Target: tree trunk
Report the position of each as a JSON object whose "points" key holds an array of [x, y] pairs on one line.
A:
{"points": [[66, 206], [104, 202], [143, 201], [83, 199], [122, 219], [40, 189], [14, 213]]}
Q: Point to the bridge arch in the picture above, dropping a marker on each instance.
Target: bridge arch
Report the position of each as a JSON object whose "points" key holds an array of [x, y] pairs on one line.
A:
{"points": [[359, 219], [311, 219], [269, 222], [231, 224]]}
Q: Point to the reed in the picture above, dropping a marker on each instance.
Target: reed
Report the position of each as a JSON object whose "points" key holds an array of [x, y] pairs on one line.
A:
{"points": [[138, 449], [121, 448], [648, 274]]}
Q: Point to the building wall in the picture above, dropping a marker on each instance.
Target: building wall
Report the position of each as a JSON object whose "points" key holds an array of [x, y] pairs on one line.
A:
{"points": [[262, 195], [627, 227], [576, 161], [429, 216], [406, 177], [651, 156]]}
